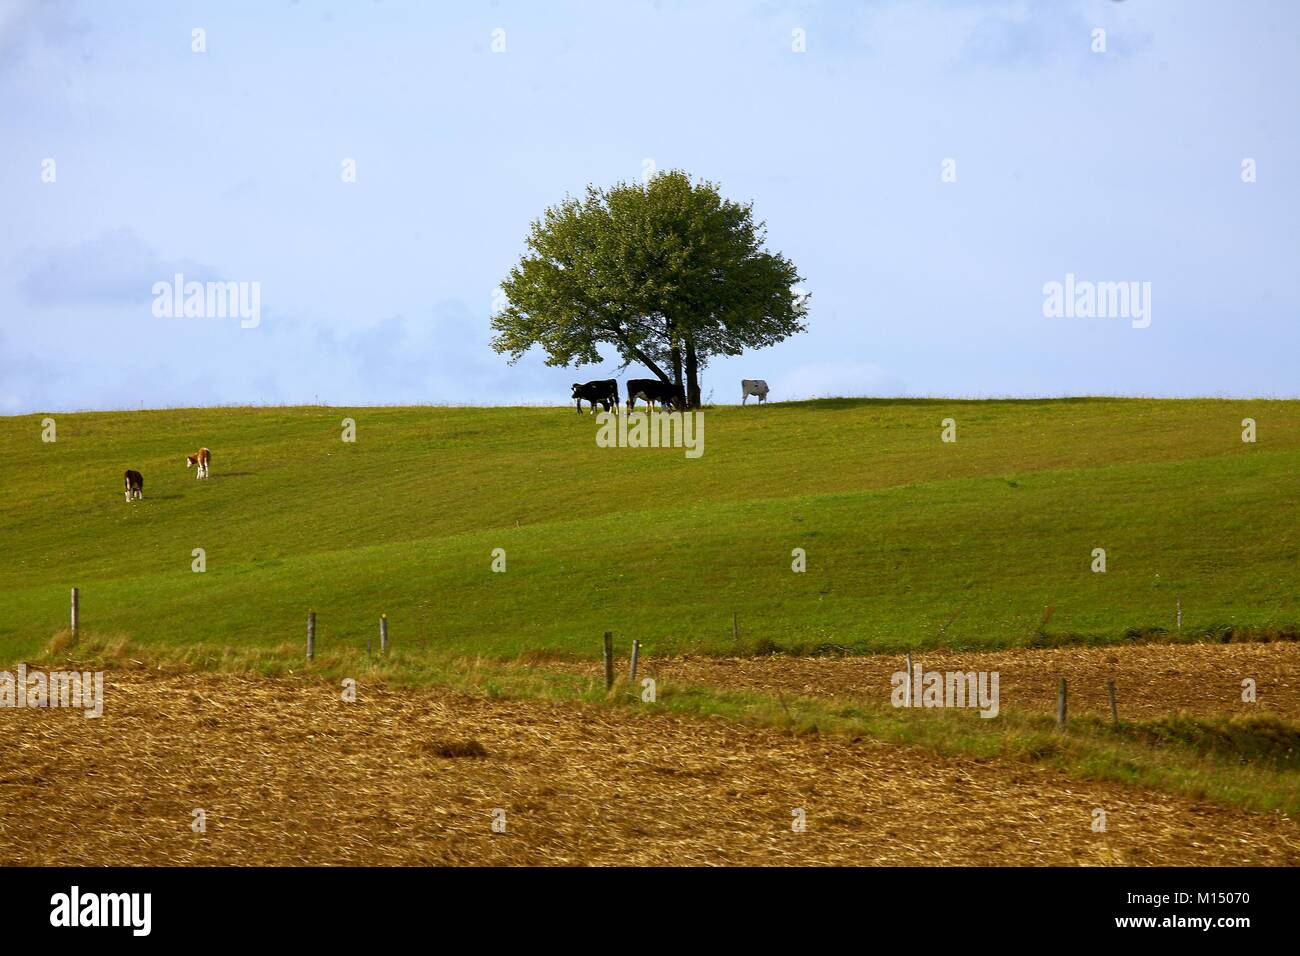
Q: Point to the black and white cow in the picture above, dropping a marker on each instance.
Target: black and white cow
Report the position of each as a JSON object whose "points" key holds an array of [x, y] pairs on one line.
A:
{"points": [[603, 392], [654, 390], [134, 483], [752, 386]]}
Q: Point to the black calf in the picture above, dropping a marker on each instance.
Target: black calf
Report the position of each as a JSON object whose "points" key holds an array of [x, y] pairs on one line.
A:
{"points": [[134, 482]]}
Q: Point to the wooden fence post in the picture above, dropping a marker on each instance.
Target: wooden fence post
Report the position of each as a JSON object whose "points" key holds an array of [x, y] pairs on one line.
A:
{"points": [[636, 650], [1114, 708], [909, 678], [383, 635], [311, 635], [1060, 703], [609, 660], [76, 598]]}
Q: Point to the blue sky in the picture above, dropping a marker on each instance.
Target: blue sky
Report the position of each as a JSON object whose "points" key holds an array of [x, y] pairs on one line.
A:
{"points": [[1117, 166]]}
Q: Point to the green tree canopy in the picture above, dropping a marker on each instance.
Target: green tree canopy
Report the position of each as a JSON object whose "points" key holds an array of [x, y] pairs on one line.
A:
{"points": [[668, 273]]}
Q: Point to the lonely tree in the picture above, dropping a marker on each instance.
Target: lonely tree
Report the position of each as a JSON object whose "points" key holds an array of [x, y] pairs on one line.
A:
{"points": [[667, 273]]}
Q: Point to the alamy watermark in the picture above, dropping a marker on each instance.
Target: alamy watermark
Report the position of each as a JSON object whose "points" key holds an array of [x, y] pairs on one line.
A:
{"points": [[652, 430], [946, 689], [1083, 299], [179, 299], [80, 690], [75, 908]]}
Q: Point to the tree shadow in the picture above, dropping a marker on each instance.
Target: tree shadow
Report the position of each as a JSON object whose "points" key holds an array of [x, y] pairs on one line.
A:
{"points": [[844, 404]]}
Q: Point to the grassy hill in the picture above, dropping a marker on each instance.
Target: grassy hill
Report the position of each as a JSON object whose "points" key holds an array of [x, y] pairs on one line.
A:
{"points": [[910, 541]]}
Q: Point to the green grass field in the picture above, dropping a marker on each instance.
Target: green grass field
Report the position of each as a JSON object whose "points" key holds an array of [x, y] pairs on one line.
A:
{"points": [[910, 542]]}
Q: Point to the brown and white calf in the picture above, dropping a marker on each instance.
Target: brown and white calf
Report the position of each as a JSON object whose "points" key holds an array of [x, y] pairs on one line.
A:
{"points": [[134, 483], [201, 458]]}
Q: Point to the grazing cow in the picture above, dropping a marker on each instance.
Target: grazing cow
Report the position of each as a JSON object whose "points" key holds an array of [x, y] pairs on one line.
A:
{"points": [[653, 390], [752, 386], [202, 458], [134, 482], [603, 392]]}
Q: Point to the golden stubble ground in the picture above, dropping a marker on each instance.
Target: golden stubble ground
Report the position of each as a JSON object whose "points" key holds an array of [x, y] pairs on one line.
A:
{"points": [[287, 773], [1151, 680]]}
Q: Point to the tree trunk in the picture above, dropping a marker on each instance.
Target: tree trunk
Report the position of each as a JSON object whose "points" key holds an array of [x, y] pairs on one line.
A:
{"points": [[675, 350], [692, 376], [677, 360]]}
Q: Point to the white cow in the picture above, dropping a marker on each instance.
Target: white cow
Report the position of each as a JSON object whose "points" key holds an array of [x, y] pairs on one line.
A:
{"points": [[752, 386]]}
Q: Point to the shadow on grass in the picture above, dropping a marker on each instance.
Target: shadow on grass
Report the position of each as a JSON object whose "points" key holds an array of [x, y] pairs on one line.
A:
{"points": [[844, 404]]}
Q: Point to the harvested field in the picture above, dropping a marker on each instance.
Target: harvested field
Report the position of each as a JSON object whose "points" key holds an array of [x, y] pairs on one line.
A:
{"points": [[1151, 679], [289, 774]]}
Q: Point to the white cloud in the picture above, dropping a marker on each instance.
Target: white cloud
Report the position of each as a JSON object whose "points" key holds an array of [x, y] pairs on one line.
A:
{"points": [[834, 379], [115, 269]]}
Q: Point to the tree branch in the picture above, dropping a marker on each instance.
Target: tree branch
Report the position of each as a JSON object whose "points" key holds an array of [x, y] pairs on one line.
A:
{"points": [[641, 356]]}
